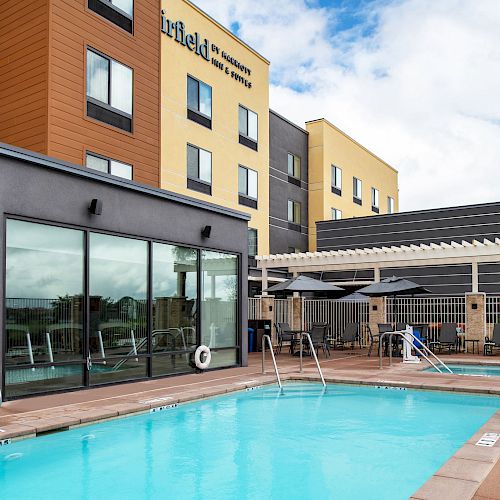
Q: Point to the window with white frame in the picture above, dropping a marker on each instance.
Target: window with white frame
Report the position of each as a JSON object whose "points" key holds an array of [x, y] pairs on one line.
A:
{"points": [[336, 214], [336, 180], [108, 166]]}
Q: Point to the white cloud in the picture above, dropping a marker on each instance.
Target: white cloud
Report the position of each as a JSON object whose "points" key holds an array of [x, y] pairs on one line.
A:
{"points": [[420, 91]]}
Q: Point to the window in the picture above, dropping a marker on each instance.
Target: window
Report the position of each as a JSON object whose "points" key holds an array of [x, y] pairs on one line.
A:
{"points": [[119, 12], [252, 242], [336, 180], [219, 306], [248, 127], [109, 166], [375, 200], [247, 187], [199, 169], [293, 166], [199, 102], [356, 190], [294, 218], [336, 214], [390, 205], [109, 91]]}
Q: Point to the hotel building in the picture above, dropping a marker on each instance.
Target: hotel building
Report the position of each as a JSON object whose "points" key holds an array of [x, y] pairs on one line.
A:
{"points": [[147, 145]]}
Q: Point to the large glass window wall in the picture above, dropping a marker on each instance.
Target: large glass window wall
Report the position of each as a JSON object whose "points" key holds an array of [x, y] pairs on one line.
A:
{"points": [[85, 308]]}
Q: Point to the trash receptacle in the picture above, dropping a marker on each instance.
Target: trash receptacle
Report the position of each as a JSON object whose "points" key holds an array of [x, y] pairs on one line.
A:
{"points": [[251, 335]]}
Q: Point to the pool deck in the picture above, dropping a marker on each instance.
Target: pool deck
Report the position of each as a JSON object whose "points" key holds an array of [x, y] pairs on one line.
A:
{"points": [[473, 472]]}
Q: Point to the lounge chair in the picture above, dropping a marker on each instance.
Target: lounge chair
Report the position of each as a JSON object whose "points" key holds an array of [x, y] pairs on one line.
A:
{"points": [[447, 338], [494, 343], [349, 335], [318, 333]]}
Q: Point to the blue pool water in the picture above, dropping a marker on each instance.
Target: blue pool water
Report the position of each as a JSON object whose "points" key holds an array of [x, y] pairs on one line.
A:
{"points": [[348, 443], [484, 370]]}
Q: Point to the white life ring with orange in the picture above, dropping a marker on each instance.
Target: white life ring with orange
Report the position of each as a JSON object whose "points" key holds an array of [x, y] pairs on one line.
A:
{"points": [[202, 365]]}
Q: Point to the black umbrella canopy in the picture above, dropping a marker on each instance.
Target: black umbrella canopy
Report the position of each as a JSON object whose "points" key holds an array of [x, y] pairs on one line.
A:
{"points": [[355, 297], [393, 286], [304, 284]]}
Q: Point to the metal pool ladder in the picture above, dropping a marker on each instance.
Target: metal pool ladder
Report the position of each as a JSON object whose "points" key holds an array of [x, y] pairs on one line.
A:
{"points": [[424, 351], [267, 338]]}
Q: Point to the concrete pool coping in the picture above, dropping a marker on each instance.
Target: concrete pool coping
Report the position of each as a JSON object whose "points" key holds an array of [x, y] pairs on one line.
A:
{"points": [[471, 468]]}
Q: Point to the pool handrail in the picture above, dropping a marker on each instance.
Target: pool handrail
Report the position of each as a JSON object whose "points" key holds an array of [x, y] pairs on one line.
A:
{"points": [[268, 339], [311, 346], [402, 334]]}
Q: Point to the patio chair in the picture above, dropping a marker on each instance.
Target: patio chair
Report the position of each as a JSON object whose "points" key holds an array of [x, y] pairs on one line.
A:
{"points": [[319, 333], [374, 339], [494, 343], [284, 335], [447, 338], [349, 335], [384, 328]]}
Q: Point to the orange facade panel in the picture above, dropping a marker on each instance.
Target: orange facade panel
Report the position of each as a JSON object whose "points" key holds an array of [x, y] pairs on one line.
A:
{"points": [[24, 73], [43, 82]]}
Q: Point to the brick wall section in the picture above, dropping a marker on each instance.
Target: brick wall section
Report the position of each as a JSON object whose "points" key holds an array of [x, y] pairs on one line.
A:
{"points": [[297, 313], [376, 316], [475, 322]]}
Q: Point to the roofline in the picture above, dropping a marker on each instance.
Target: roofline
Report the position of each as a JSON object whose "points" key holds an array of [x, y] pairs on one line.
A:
{"points": [[288, 121], [415, 212], [228, 32], [13, 152], [352, 140]]}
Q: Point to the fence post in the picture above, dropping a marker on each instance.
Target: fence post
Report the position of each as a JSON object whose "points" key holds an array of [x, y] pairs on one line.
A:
{"points": [[267, 306], [376, 313], [475, 317], [296, 313]]}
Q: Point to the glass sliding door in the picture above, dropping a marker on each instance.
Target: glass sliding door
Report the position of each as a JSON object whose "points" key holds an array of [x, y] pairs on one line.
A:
{"points": [[175, 294], [44, 308], [219, 306], [118, 329]]}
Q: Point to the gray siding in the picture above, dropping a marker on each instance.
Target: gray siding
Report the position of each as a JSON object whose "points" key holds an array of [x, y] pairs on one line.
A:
{"points": [[428, 226], [285, 137]]}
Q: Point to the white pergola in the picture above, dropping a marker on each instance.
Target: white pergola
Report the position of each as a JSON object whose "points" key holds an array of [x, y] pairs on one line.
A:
{"points": [[377, 258]]}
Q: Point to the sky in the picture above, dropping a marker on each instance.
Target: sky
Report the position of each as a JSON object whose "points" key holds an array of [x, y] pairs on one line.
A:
{"points": [[415, 81]]}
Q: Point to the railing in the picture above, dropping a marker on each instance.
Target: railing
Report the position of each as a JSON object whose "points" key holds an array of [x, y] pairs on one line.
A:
{"points": [[492, 313], [431, 311], [266, 339], [337, 313], [254, 309], [283, 311]]}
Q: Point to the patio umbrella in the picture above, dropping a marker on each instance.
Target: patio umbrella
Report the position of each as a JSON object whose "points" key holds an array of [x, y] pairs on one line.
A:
{"points": [[392, 287], [304, 284], [354, 297]]}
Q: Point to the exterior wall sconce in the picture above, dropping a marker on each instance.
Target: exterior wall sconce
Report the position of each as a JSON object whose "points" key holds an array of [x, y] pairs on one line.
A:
{"points": [[374, 307], [474, 306], [206, 231], [95, 207]]}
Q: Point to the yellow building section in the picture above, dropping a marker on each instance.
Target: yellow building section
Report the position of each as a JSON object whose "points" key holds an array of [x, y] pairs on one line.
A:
{"points": [[328, 147], [194, 44]]}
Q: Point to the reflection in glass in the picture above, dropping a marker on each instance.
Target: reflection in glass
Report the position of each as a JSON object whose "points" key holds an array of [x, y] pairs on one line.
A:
{"points": [[97, 76], [44, 298], [118, 277], [219, 307], [175, 272]]}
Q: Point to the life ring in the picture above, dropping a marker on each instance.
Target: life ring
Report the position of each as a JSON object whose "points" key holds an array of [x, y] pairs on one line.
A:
{"points": [[202, 365]]}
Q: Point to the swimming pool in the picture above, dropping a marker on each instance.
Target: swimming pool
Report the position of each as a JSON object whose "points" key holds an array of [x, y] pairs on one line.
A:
{"points": [[347, 442], [466, 369]]}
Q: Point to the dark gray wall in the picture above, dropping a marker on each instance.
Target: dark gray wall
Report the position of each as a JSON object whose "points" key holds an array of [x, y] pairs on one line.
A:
{"points": [[41, 188], [427, 226], [285, 137]]}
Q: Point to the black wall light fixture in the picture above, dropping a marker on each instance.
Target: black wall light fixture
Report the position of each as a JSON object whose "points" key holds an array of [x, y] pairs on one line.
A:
{"points": [[206, 231], [95, 207]]}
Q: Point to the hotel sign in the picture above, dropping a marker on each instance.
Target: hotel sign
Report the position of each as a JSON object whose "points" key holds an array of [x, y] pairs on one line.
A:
{"points": [[210, 52]]}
